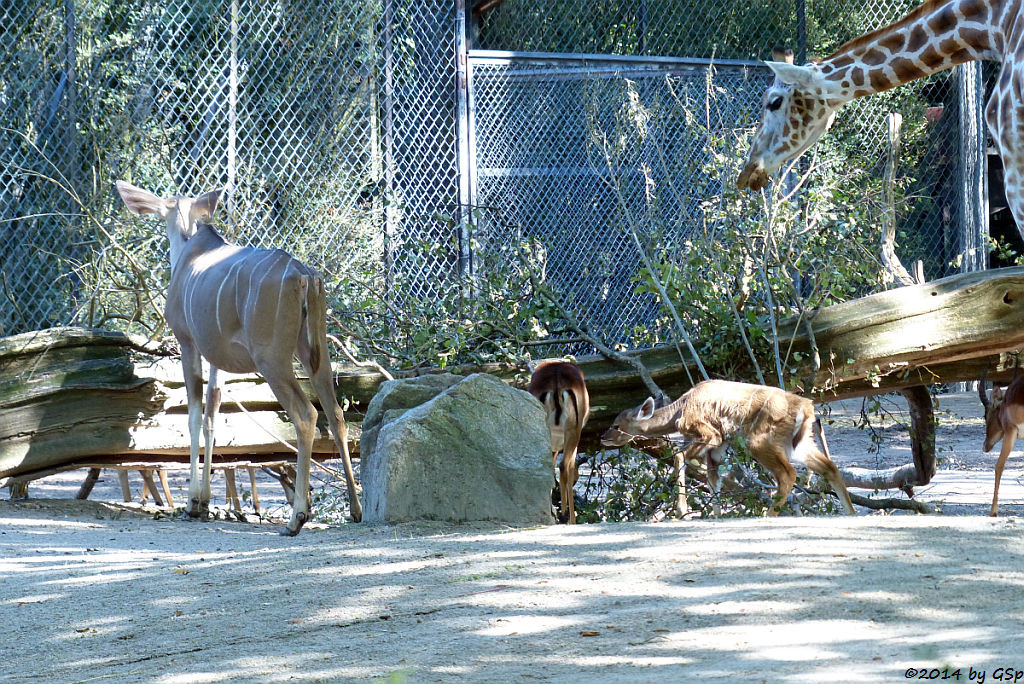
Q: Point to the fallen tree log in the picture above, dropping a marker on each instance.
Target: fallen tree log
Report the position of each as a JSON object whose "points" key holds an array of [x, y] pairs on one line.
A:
{"points": [[72, 393]]}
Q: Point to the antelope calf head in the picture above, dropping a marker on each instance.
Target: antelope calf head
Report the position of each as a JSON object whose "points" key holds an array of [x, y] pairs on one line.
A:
{"points": [[1004, 414], [639, 422], [560, 386], [777, 426]]}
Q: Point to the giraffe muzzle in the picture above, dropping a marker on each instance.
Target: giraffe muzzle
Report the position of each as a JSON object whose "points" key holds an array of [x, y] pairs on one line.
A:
{"points": [[752, 177]]}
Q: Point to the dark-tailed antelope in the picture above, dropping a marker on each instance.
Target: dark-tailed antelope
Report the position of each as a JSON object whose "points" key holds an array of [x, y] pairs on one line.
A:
{"points": [[244, 310], [1004, 414], [776, 424], [560, 387]]}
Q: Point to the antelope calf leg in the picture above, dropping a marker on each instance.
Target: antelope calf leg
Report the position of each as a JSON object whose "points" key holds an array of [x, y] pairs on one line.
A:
{"points": [[567, 475], [1004, 453], [818, 463]]}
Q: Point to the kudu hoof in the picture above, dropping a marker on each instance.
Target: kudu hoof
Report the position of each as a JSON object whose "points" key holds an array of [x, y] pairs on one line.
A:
{"points": [[295, 525], [198, 511]]}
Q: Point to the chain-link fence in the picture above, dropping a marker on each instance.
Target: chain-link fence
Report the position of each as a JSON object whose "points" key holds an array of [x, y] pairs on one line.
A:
{"points": [[330, 123], [354, 133]]}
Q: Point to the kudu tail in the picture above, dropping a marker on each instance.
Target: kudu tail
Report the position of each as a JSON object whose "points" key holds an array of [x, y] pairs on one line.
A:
{"points": [[316, 319]]}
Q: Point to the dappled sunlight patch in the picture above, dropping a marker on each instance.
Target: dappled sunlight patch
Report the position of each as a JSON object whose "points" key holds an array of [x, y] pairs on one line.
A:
{"points": [[261, 668], [101, 577], [780, 641], [745, 607], [45, 526], [603, 660], [892, 597], [997, 575], [100, 626], [529, 624], [196, 677], [35, 598], [583, 535]]}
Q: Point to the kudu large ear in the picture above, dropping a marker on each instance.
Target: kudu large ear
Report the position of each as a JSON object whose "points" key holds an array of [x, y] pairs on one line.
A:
{"points": [[205, 205], [141, 201], [646, 411]]}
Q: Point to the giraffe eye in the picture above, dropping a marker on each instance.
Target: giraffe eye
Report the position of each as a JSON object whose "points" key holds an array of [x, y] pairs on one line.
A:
{"points": [[775, 104]]}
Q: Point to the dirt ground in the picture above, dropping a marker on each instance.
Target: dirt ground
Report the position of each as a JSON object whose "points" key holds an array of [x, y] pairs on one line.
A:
{"points": [[104, 590]]}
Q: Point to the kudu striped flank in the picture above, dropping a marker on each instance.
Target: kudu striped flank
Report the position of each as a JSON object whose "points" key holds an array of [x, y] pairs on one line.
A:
{"points": [[245, 310]]}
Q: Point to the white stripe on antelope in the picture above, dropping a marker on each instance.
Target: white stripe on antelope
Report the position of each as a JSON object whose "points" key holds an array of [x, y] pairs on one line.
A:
{"points": [[245, 310]]}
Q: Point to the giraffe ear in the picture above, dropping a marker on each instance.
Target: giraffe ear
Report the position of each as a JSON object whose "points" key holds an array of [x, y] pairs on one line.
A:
{"points": [[793, 75]]}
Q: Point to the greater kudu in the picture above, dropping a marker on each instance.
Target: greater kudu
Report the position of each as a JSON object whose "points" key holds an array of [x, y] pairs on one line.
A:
{"points": [[244, 310]]}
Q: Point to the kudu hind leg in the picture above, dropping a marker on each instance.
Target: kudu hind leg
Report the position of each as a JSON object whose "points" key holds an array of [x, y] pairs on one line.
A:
{"points": [[303, 416], [213, 398], [192, 366], [323, 384]]}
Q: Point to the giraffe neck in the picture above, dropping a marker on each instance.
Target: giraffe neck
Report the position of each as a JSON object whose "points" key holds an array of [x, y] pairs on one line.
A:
{"points": [[936, 36]]}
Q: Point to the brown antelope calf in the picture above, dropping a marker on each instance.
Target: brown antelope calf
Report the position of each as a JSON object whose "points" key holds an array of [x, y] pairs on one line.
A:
{"points": [[560, 387], [244, 310], [776, 424], [1004, 414]]}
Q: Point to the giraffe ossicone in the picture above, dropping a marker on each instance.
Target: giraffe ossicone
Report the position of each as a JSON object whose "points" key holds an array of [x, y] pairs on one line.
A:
{"points": [[939, 34]]}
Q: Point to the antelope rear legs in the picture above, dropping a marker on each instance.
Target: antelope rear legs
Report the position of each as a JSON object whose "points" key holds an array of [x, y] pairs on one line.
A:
{"points": [[323, 384], [1010, 436], [303, 416], [567, 475]]}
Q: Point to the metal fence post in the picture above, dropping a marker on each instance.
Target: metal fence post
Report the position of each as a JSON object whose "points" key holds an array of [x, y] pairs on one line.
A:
{"points": [[389, 149], [973, 168], [232, 110], [464, 144]]}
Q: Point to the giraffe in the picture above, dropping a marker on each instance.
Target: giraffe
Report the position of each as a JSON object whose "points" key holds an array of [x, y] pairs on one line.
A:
{"points": [[939, 34]]}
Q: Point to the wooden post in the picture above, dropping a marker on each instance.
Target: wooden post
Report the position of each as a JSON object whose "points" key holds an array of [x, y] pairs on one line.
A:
{"points": [[892, 268], [922, 432], [167, 489], [90, 482], [126, 489], [149, 486], [255, 496], [232, 489]]}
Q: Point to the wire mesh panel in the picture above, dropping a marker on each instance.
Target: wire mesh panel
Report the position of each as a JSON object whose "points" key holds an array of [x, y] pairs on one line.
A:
{"points": [[585, 155], [331, 123], [537, 115], [692, 28], [335, 125]]}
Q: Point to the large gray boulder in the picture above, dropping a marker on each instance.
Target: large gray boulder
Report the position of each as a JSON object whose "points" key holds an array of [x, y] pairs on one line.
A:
{"points": [[395, 397], [479, 450]]}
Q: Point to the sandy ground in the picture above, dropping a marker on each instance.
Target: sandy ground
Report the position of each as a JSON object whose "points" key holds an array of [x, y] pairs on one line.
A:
{"points": [[96, 590]]}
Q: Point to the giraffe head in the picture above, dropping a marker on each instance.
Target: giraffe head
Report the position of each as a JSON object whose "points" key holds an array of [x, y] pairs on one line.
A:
{"points": [[798, 107]]}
